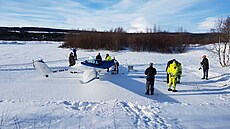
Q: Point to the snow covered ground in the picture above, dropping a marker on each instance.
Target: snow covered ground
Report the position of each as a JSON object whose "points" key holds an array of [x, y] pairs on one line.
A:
{"points": [[29, 100]]}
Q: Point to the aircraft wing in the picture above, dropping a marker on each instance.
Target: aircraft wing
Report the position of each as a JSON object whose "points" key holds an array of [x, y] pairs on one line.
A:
{"points": [[88, 74]]}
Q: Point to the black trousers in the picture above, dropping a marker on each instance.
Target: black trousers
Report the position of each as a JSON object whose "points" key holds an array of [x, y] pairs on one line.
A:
{"points": [[150, 87], [205, 73]]}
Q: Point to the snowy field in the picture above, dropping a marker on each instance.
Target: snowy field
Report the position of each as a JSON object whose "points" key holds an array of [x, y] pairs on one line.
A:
{"points": [[29, 100]]}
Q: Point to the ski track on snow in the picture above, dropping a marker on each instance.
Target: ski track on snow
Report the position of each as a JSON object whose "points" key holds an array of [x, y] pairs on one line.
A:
{"points": [[142, 116]]}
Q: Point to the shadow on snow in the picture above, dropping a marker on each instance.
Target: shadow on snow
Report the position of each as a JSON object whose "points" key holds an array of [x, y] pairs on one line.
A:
{"points": [[204, 87], [128, 82]]}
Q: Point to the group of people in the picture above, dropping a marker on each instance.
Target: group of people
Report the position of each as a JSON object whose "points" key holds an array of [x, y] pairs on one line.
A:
{"points": [[173, 69], [174, 73], [108, 58], [98, 60]]}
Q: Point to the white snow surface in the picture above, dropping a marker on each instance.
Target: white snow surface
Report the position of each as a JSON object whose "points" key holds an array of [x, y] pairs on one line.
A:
{"points": [[28, 100]]}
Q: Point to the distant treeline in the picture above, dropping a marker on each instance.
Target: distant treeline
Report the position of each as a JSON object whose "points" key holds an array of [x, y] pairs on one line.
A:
{"points": [[164, 42], [116, 39], [32, 34]]}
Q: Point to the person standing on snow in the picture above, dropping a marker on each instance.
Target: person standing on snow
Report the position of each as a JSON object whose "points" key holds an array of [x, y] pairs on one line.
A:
{"points": [[179, 73], [150, 78], [172, 71], [75, 53], [99, 59], [108, 58], [71, 59], [116, 66], [168, 64], [205, 66]]}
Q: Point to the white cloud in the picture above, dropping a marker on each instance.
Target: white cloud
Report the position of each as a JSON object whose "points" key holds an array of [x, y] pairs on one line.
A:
{"points": [[132, 15], [140, 24], [159, 12], [208, 23]]}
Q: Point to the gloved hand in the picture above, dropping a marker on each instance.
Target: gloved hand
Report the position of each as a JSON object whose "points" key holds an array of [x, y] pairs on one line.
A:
{"points": [[200, 68]]}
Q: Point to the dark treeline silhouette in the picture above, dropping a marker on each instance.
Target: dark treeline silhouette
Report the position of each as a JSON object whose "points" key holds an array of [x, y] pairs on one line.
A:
{"points": [[21, 29], [32, 33], [114, 39], [96, 40], [164, 42]]}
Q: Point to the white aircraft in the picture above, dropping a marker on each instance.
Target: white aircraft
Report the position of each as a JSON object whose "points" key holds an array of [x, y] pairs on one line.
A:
{"points": [[89, 68]]}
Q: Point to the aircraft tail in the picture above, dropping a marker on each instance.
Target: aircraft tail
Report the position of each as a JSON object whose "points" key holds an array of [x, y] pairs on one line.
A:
{"points": [[42, 68]]}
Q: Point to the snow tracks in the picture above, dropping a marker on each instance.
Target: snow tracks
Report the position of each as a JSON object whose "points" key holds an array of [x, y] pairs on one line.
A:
{"points": [[123, 114]]}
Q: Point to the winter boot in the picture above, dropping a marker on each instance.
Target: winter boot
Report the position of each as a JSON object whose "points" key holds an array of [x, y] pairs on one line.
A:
{"points": [[152, 91], [147, 92]]}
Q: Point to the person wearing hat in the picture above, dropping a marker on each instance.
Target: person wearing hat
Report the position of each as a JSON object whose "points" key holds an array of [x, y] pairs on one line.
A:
{"points": [[150, 72], [205, 65]]}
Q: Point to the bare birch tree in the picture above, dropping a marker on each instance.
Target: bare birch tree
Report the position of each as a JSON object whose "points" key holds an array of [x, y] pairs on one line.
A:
{"points": [[222, 48]]}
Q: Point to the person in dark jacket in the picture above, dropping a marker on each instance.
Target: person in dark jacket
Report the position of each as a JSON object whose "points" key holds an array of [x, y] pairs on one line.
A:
{"points": [[71, 59], [99, 59], [205, 66], [116, 67], [150, 72]]}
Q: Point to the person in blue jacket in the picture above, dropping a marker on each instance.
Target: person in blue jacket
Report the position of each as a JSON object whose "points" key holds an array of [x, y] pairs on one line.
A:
{"points": [[75, 53]]}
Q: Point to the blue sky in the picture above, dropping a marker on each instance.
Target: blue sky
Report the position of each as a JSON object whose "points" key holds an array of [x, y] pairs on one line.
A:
{"points": [[132, 15]]}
